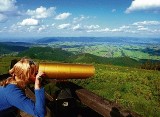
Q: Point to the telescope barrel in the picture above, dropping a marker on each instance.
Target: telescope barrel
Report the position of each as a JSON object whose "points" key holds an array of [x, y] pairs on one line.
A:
{"points": [[64, 71]]}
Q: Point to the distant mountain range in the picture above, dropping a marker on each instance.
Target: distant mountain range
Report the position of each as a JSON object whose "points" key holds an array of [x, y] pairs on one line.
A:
{"points": [[25, 44], [132, 40], [79, 39]]}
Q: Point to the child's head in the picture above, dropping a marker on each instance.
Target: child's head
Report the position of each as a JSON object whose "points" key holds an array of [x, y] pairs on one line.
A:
{"points": [[24, 70]]}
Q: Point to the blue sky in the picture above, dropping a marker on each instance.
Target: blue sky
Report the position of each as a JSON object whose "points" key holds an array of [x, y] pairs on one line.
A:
{"points": [[49, 18]]}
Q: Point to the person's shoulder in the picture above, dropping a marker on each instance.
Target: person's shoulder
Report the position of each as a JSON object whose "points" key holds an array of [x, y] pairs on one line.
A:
{"points": [[12, 90], [12, 87]]}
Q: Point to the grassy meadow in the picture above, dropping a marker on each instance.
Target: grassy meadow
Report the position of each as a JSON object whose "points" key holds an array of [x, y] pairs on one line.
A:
{"points": [[135, 89]]}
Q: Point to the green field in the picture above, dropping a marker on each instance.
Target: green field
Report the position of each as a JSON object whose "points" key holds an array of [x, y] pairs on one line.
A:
{"points": [[110, 50]]}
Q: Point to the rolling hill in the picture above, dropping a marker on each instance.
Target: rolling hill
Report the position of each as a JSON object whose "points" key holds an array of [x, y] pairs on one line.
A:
{"points": [[48, 53]]}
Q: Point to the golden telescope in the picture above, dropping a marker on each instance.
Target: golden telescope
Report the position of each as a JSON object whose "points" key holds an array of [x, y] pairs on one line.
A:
{"points": [[67, 70]]}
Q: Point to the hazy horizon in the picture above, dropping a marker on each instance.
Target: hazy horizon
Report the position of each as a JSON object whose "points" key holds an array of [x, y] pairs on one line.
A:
{"points": [[33, 39]]}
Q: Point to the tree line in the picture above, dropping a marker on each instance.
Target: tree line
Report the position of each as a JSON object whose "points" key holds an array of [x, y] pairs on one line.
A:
{"points": [[149, 65]]}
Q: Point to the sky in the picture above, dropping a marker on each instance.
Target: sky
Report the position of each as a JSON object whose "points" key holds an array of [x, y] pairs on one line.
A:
{"points": [[79, 18]]}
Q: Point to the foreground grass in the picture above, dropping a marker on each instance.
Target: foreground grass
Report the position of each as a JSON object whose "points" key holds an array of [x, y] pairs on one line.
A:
{"points": [[136, 89]]}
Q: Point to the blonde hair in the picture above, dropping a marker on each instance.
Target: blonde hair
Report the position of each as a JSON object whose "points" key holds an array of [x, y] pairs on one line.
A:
{"points": [[21, 72]]}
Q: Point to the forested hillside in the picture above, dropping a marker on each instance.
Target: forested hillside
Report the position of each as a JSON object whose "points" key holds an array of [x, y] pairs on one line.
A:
{"points": [[7, 49], [46, 53]]}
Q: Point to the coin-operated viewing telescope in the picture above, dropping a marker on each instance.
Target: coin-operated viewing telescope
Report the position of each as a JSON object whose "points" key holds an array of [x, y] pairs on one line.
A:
{"points": [[64, 71]]}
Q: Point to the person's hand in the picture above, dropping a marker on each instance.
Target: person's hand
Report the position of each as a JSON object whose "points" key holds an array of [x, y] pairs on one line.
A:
{"points": [[38, 80]]}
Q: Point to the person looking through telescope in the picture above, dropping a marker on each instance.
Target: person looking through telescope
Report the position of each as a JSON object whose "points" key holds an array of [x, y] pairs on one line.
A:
{"points": [[12, 89]]}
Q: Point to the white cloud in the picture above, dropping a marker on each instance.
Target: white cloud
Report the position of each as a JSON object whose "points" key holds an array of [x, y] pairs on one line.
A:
{"points": [[53, 25], [92, 27], [33, 26], [116, 30], [156, 31], [79, 19], [62, 16], [29, 22], [30, 29], [64, 26], [143, 29], [124, 27], [147, 23], [7, 5], [77, 27], [15, 28], [137, 5], [43, 28], [41, 12], [89, 28], [7, 9], [3, 18], [113, 10], [103, 30]]}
